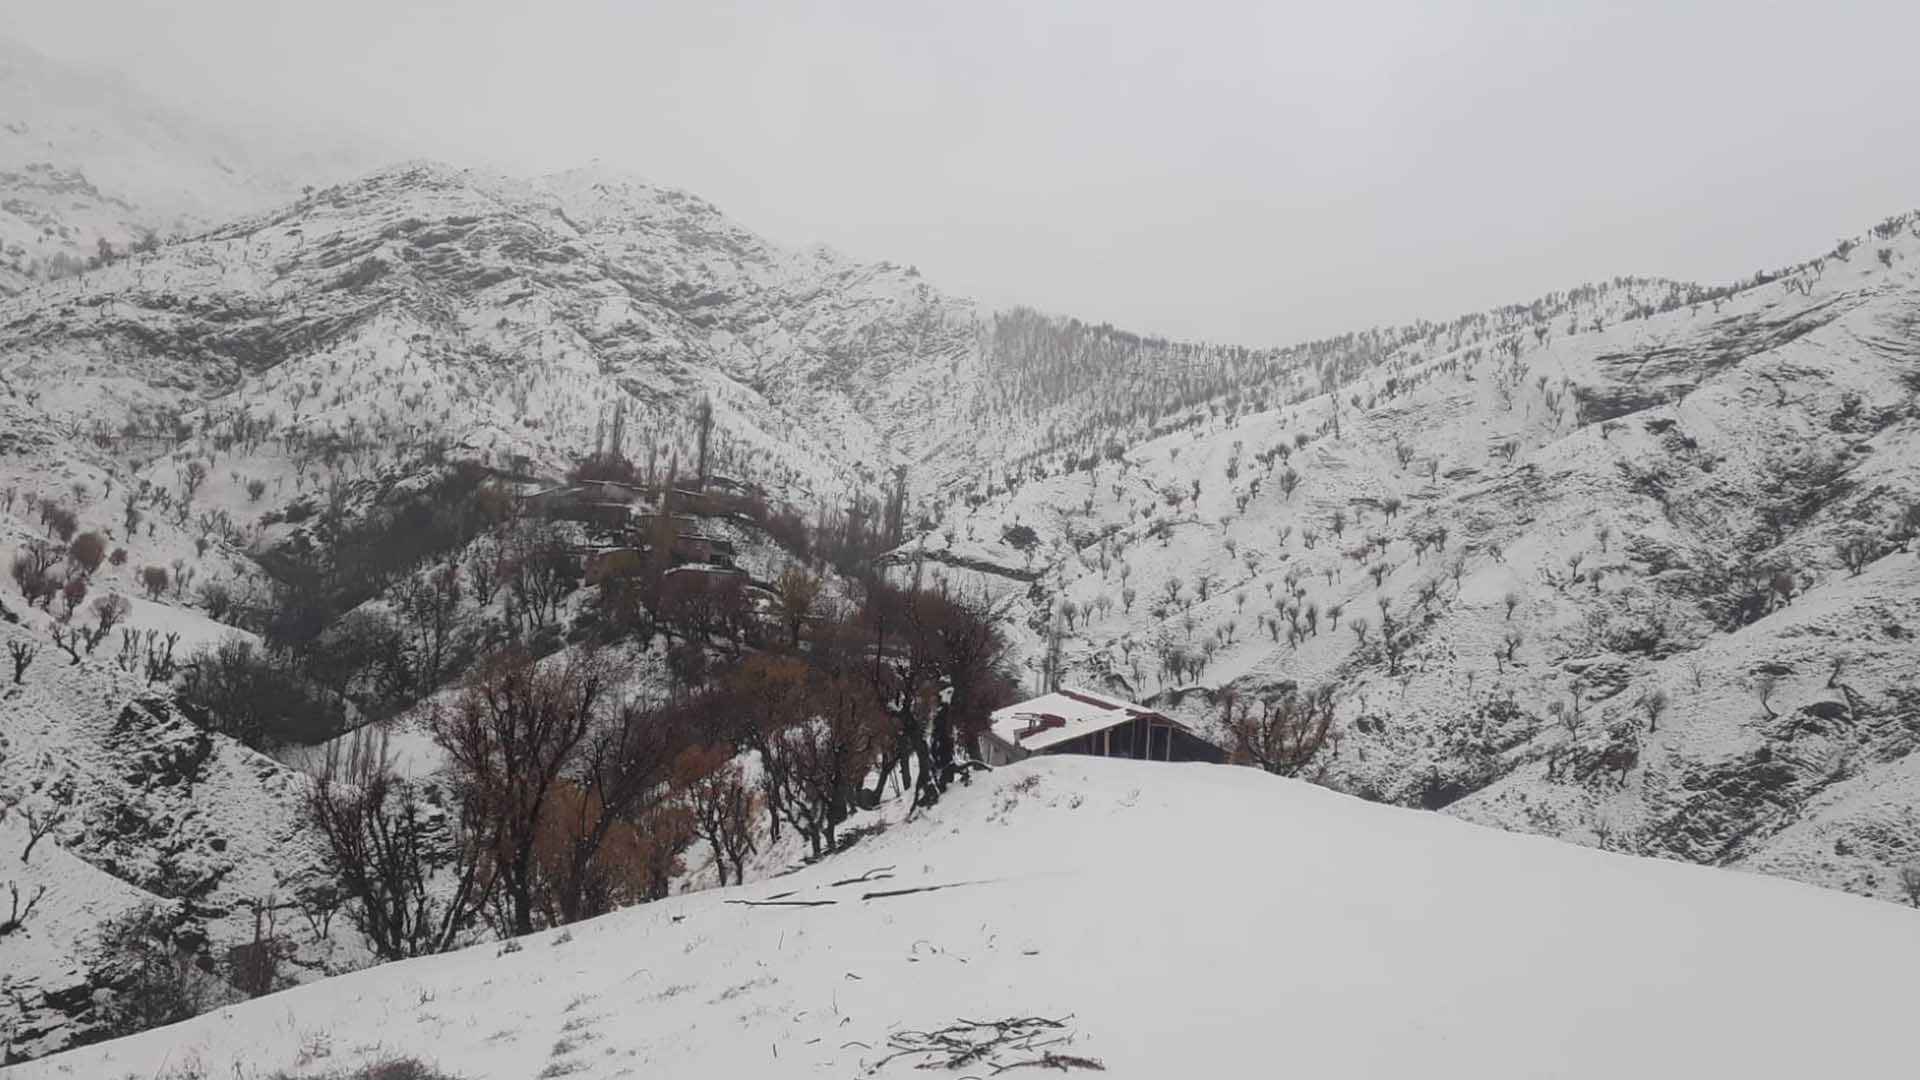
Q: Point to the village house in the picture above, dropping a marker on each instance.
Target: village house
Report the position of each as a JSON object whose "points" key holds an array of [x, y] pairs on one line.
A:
{"points": [[1075, 721]]}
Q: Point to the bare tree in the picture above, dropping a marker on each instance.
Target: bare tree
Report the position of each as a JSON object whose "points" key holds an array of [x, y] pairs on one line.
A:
{"points": [[22, 655], [936, 670], [829, 749], [703, 427], [799, 591], [510, 739], [620, 778], [1654, 704], [540, 572], [379, 842], [16, 915], [430, 602], [41, 820], [722, 806], [1286, 731]]}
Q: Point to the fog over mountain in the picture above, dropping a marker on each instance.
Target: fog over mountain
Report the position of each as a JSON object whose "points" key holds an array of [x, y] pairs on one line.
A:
{"points": [[1237, 172]]}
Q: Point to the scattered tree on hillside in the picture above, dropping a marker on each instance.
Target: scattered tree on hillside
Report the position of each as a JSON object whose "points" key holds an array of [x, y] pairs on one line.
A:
{"points": [[1857, 548], [22, 655], [88, 551], [1654, 704]]}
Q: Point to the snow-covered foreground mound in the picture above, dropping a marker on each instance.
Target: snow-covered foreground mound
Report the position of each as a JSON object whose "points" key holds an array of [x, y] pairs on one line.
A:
{"points": [[1182, 920]]}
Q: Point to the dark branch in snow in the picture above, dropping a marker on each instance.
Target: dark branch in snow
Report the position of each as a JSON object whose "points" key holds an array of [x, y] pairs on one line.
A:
{"points": [[989, 1042]]}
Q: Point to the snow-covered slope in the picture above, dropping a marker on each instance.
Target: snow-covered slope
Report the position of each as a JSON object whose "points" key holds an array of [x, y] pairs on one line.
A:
{"points": [[149, 810], [85, 161], [1177, 921], [1691, 446], [1666, 497]]}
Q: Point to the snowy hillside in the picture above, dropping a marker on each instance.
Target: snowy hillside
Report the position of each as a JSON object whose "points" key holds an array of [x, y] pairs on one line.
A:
{"points": [[1639, 578], [1123, 901], [1632, 565], [85, 161], [143, 807]]}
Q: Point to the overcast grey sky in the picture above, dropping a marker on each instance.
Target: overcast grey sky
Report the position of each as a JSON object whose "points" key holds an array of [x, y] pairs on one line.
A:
{"points": [[1250, 172]]}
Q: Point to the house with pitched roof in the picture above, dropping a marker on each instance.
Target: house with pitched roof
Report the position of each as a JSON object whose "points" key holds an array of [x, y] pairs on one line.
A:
{"points": [[1075, 721]]}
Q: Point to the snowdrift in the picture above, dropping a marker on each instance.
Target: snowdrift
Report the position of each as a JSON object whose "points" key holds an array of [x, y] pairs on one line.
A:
{"points": [[1178, 920]]}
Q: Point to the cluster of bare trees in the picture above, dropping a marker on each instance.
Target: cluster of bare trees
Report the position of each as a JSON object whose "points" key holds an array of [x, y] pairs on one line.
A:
{"points": [[560, 804]]}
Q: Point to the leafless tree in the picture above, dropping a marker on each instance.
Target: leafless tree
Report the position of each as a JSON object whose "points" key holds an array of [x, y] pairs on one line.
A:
{"points": [[379, 835], [1654, 704], [1283, 732], [16, 915], [22, 655], [721, 805], [510, 739], [620, 775], [799, 591], [41, 820]]}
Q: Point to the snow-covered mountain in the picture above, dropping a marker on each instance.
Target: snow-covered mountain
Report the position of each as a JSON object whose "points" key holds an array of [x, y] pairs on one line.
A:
{"points": [[1150, 920], [1648, 566], [85, 162], [1629, 565]]}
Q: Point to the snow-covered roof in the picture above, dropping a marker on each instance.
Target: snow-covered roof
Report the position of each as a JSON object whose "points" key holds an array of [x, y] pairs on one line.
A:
{"points": [[1065, 714]]}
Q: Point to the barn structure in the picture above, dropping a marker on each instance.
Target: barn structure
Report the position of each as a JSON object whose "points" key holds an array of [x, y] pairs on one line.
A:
{"points": [[1075, 721]]}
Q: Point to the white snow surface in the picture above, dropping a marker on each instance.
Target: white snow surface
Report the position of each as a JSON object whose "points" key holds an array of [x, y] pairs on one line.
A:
{"points": [[1185, 920]]}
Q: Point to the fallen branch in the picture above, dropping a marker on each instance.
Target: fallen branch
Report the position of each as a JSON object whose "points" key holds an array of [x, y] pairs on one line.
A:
{"points": [[783, 903], [883, 894], [1051, 1060], [988, 1042], [878, 873]]}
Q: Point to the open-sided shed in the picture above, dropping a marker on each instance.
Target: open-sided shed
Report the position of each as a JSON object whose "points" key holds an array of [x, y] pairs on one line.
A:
{"points": [[1075, 721]]}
